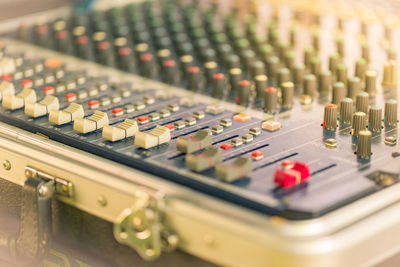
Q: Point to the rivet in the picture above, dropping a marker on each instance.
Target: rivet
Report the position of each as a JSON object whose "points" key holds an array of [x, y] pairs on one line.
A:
{"points": [[150, 252], [28, 174], [102, 200], [6, 165], [64, 188], [138, 223], [209, 239], [43, 191], [172, 241]]}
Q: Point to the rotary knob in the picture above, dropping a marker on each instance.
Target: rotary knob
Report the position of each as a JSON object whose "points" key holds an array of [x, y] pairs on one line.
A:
{"points": [[390, 78], [299, 71], [363, 148], [359, 123], [360, 69], [287, 89], [210, 68], [338, 93], [235, 76], [362, 102], [391, 113], [310, 85], [261, 82], [370, 82], [324, 82], [375, 119], [244, 92], [194, 80], [270, 100], [284, 76], [346, 111], [330, 117], [218, 85], [353, 87]]}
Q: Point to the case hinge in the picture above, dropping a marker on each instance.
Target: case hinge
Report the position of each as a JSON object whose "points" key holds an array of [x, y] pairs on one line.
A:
{"points": [[61, 186], [141, 227]]}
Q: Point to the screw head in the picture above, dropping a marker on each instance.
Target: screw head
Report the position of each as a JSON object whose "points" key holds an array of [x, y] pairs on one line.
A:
{"points": [[102, 200], [6, 165], [173, 241], [28, 174]]}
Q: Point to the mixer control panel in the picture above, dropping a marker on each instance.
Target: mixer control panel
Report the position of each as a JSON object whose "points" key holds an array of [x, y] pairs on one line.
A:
{"points": [[271, 108]]}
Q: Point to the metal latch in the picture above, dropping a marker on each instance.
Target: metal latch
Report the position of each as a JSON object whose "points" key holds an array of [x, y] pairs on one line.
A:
{"points": [[33, 241], [61, 186], [141, 228]]}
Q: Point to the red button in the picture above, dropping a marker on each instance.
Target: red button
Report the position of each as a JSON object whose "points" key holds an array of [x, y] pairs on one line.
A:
{"points": [[303, 169], [287, 178], [170, 127], [143, 119], [6, 77], [93, 104], [257, 155], [70, 97], [226, 146], [118, 111], [48, 90], [26, 83]]}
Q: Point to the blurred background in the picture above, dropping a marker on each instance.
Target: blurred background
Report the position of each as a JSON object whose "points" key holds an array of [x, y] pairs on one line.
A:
{"points": [[11, 8]]}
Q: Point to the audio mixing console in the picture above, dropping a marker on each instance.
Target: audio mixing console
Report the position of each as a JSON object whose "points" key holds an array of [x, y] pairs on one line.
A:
{"points": [[276, 110]]}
